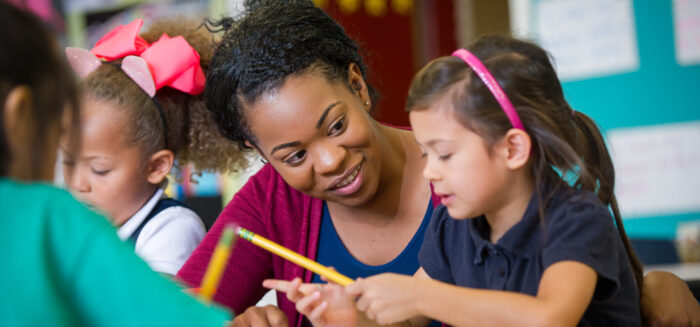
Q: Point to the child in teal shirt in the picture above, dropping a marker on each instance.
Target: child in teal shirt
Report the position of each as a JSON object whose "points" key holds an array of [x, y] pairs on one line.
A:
{"points": [[63, 265]]}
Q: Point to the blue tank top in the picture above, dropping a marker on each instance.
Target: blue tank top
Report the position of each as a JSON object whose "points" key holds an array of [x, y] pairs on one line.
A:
{"points": [[332, 252]]}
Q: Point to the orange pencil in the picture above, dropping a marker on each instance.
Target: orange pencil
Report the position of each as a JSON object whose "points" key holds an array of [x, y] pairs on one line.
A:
{"points": [[292, 256]]}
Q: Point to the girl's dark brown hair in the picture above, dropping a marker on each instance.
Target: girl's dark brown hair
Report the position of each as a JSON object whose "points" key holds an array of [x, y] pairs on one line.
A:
{"points": [[565, 143], [30, 57], [192, 134]]}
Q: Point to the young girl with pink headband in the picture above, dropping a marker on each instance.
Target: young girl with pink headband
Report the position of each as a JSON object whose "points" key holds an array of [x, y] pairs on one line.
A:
{"points": [[142, 115], [529, 232]]}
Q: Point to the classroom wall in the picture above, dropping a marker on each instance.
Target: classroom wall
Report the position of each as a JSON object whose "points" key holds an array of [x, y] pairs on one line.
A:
{"points": [[652, 101], [398, 37], [654, 95]]}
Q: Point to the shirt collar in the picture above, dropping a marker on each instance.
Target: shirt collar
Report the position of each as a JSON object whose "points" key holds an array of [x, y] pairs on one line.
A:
{"points": [[130, 225], [478, 228], [517, 240]]}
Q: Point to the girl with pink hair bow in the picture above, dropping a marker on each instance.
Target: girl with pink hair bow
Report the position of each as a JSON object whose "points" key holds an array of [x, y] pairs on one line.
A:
{"points": [[143, 114]]}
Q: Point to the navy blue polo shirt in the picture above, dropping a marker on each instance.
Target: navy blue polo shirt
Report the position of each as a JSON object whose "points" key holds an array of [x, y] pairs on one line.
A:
{"points": [[577, 226]]}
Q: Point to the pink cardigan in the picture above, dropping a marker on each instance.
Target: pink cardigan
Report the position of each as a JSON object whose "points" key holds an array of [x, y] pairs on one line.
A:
{"points": [[268, 206]]}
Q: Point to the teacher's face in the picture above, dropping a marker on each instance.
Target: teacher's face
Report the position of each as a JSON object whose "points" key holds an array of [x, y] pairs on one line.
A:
{"points": [[320, 137]]}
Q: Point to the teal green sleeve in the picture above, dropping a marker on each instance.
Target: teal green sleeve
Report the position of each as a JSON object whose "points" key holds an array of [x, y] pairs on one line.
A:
{"points": [[111, 286]]}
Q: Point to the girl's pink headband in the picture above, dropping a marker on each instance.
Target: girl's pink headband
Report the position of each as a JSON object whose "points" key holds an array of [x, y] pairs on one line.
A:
{"points": [[493, 86]]}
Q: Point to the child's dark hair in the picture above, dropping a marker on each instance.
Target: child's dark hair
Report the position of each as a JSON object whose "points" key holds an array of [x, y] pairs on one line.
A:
{"points": [[562, 139], [192, 134], [272, 41], [30, 57]]}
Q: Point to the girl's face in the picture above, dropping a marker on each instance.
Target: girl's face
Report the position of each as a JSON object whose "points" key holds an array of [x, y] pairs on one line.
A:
{"points": [[107, 174], [467, 177], [320, 137]]}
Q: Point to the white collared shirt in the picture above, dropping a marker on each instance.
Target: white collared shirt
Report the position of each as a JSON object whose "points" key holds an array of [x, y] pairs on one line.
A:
{"points": [[168, 239]]}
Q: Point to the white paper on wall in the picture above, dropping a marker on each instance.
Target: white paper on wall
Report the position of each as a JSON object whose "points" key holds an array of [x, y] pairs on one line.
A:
{"points": [[686, 30], [590, 38], [657, 168], [73, 6]]}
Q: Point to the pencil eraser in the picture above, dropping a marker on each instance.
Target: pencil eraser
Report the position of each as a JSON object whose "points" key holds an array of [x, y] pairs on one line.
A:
{"points": [[236, 228]]}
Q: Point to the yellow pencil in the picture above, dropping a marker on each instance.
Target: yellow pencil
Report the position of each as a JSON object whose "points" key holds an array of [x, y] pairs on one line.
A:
{"points": [[217, 263], [292, 256]]}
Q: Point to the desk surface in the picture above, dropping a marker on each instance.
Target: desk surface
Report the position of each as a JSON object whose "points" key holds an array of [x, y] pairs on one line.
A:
{"points": [[685, 271]]}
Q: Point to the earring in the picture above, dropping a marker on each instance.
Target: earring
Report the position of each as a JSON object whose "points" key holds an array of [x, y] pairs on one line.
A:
{"points": [[366, 103]]}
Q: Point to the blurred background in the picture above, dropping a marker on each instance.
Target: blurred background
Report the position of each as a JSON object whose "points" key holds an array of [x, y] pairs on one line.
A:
{"points": [[633, 65]]}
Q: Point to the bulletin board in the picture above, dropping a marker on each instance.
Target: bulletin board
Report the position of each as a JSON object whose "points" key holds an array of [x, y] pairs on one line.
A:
{"points": [[647, 101]]}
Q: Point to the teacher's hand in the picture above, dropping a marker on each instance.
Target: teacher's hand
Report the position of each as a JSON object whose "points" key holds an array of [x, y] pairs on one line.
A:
{"points": [[667, 301], [267, 316]]}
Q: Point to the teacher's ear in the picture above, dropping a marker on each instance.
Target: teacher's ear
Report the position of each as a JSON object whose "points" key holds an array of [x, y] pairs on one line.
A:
{"points": [[358, 85]]}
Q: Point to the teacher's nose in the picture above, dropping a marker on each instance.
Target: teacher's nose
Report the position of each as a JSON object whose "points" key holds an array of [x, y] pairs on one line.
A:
{"points": [[329, 159]]}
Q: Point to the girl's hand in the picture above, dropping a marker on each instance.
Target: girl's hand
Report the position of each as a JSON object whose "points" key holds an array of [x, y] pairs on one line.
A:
{"points": [[387, 298], [326, 305]]}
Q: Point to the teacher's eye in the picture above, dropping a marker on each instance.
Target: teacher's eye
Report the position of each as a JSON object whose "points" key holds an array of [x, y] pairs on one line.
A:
{"points": [[337, 127], [296, 157], [445, 157]]}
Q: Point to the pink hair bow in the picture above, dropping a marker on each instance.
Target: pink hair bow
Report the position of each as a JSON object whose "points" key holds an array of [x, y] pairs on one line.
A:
{"points": [[167, 62], [122, 41]]}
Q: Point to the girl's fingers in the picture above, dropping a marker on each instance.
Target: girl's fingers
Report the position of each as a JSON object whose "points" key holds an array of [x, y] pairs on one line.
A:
{"points": [[293, 293], [317, 312], [305, 304], [324, 278], [310, 288], [286, 286], [354, 289], [281, 285], [362, 304], [370, 315], [276, 284]]}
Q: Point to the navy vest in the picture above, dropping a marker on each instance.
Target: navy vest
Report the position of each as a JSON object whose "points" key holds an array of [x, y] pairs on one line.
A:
{"points": [[160, 206]]}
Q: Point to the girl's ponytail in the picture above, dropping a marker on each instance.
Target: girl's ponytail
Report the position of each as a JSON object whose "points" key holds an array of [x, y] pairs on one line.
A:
{"points": [[598, 175]]}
